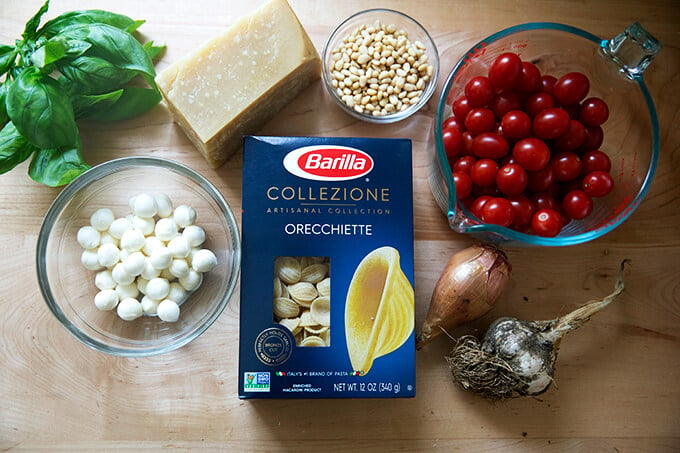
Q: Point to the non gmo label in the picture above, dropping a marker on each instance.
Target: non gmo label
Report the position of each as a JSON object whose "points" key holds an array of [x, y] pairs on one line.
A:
{"points": [[256, 382]]}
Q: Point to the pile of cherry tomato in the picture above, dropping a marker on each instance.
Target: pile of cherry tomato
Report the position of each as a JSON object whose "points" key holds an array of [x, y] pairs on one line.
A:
{"points": [[524, 147]]}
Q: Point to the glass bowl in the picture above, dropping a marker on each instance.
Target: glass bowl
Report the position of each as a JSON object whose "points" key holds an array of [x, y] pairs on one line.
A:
{"points": [[416, 34], [615, 68], [68, 287]]}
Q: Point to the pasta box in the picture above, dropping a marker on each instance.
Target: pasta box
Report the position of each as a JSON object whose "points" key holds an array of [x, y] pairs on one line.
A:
{"points": [[327, 298]]}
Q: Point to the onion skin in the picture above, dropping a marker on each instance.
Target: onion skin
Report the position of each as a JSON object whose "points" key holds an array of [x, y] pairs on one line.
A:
{"points": [[470, 285]]}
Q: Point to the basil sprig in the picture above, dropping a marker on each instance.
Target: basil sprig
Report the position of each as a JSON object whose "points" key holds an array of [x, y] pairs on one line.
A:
{"points": [[80, 64]]}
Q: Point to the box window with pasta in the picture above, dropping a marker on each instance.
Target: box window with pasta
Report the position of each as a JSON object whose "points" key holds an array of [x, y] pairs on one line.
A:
{"points": [[302, 302]]}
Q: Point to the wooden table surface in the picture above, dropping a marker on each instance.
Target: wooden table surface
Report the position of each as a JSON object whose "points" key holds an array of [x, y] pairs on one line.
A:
{"points": [[617, 381]]}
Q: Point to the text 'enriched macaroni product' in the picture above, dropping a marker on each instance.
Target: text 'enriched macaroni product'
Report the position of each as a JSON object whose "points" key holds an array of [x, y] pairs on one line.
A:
{"points": [[327, 297]]}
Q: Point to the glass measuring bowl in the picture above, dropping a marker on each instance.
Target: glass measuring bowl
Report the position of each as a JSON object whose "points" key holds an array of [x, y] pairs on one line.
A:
{"points": [[615, 68]]}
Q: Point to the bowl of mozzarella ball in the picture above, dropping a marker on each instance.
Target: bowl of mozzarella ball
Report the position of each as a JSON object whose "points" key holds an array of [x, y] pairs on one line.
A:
{"points": [[138, 256]]}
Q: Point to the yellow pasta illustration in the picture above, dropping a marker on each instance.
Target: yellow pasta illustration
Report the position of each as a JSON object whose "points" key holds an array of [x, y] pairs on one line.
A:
{"points": [[379, 312]]}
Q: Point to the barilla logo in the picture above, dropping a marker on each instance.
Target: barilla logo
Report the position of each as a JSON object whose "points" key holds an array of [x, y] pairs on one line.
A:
{"points": [[328, 163]]}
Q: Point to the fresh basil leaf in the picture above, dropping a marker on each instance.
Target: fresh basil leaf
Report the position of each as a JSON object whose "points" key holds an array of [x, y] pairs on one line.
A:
{"points": [[85, 105], [8, 55], [134, 101], [153, 50], [41, 110], [51, 51], [95, 75], [93, 16], [14, 148], [56, 167], [3, 107], [32, 24], [116, 46]]}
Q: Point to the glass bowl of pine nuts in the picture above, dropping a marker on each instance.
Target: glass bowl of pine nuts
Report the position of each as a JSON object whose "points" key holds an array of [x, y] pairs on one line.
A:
{"points": [[380, 65]]}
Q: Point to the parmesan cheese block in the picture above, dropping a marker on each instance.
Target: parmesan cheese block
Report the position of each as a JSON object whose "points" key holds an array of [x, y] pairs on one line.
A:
{"points": [[240, 79]]}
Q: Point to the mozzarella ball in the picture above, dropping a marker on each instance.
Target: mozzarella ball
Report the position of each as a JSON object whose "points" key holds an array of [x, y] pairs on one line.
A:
{"points": [[119, 226], [106, 299], [168, 310], [141, 283], [179, 268], [129, 309], [144, 205], [179, 247], [149, 305], [149, 271], [143, 224], [203, 260], [134, 264], [164, 204], [194, 234], [104, 280], [90, 260], [191, 281], [165, 229], [124, 254], [120, 276], [132, 240], [157, 288], [151, 243], [106, 238], [108, 255], [88, 237], [125, 291], [161, 258], [177, 292], [165, 273], [101, 219], [184, 215]]}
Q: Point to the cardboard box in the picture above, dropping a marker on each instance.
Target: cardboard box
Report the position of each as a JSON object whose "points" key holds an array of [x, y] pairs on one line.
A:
{"points": [[327, 298]]}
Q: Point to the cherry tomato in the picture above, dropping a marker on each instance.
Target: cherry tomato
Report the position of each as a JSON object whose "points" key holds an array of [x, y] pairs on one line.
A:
{"points": [[476, 206], [577, 204], [483, 172], [479, 91], [598, 183], [547, 83], [530, 81], [506, 101], [566, 165], [531, 153], [541, 180], [537, 102], [593, 112], [464, 163], [511, 179], [453, 142], [573, 138], [547, 222], [460, 108], [594, 138], [479, 120], [523, 211], [490, 145], [543, 200], [498, 211], [516, 124], [463, 184], [551, 123], [505, 71], [453, 122], [571, 88], [467, 141], [595, 160]]}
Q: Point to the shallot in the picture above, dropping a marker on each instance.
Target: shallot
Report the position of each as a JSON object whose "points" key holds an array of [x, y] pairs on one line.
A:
{"points": [[516, 357], [470, 285]]}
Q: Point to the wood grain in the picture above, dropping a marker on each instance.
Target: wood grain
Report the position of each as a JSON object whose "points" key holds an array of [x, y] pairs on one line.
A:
{"points": [[617, 378]]}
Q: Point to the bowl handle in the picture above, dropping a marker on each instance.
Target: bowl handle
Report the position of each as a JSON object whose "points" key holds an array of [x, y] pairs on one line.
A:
{"points": [[632, 50]]}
